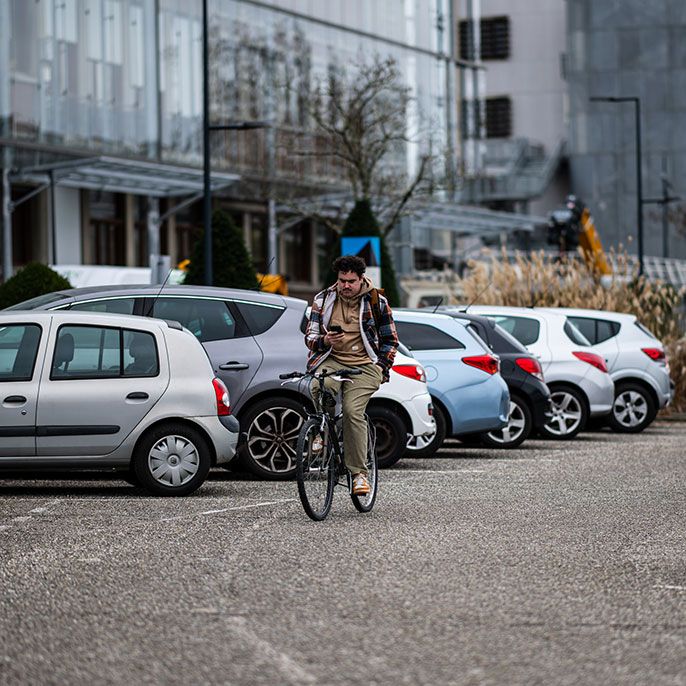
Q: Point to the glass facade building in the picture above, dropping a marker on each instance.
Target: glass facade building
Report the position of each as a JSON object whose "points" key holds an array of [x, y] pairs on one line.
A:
{"points": [[123, 78]]}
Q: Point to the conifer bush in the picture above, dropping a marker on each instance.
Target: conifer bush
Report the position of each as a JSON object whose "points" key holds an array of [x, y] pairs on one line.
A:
{"points": [[232, 265], [29, 282]]}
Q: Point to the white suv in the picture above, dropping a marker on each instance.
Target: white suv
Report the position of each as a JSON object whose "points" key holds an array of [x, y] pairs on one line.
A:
{"points": [[637, 364], [578, 378], [111, 391]]}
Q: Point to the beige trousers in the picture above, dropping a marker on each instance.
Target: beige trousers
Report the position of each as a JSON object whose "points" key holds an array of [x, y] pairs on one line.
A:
{"points": [[356, 394]]}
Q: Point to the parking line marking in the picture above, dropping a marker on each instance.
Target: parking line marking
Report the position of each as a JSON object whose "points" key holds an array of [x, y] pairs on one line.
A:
{"points": [[442, 471], [230, 509]]}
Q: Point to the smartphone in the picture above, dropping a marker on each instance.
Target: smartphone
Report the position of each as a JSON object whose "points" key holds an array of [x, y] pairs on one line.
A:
{"points": [[335, 328]]}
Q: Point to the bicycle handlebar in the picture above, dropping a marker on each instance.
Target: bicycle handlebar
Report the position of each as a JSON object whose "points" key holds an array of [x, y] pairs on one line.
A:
{"points": [[338, 372]]}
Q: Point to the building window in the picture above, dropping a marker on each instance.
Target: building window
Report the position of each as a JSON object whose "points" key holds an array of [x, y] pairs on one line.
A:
{"points": [[107, 235], [495, 38], [498, 117]]}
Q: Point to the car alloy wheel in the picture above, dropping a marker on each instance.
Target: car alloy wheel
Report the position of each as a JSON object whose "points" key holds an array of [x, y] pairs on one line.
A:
{"points": [[630, 409], [569, 414], [515, 431], [633, 409], [271, 438], [173, 461]]}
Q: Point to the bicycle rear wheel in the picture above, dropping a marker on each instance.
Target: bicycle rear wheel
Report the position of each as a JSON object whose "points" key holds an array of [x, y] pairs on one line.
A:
{"points": [[364, 503], [315, 469]]}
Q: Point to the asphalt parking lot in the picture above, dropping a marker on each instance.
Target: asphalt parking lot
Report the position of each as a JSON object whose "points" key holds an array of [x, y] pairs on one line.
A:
{"points": [[557, 563]]}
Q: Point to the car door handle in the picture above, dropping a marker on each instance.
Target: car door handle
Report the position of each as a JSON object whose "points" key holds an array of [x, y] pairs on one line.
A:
{"points": [[233, 365], [14, 399], [139, 395]]}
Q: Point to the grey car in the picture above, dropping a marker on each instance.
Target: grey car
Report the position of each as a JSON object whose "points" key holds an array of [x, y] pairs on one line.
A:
{"points": [[250, 338], [111, 391]]}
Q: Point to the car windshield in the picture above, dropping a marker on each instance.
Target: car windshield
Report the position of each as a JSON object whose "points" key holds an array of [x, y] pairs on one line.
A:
{"points": [[39, 301]]}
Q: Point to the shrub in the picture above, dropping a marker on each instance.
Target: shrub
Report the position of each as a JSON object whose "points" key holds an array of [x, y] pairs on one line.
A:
{"points": [[362, 222], [231, 262], [33, 280]]}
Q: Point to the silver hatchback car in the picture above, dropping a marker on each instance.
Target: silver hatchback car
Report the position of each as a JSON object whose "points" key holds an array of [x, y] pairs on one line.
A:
{"points": [[111, 391], [636, 361]]}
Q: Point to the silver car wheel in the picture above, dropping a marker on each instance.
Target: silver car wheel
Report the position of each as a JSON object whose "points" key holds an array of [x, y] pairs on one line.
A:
{"points": [[272, 438], [567, 413], [173, 461], [516, 423], [630, 408]]}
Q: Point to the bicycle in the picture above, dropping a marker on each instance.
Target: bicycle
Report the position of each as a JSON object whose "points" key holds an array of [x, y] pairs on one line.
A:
{"points": [[319, 454]]}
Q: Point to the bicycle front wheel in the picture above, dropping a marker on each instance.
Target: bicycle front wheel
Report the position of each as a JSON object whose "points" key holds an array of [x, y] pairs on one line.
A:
{"points": [[364, 503], [315, 469]]}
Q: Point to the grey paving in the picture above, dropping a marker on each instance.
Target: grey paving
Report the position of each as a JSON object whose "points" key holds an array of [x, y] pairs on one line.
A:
{"points": [[558, 563]]}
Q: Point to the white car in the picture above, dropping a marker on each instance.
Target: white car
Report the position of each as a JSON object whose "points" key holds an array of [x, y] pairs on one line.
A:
{"points": [[578, 378], [636, 361], [402, 410], [111, 391]]}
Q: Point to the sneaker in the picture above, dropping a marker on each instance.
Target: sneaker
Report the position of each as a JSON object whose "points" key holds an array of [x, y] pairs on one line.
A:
{"points": [[317, 443], [360, 485]]}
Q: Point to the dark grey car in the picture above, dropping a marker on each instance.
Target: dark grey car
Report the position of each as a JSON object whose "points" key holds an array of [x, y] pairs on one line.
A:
{"points": [[250, 337]]}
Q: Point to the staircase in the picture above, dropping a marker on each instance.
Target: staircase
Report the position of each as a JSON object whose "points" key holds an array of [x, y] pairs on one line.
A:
{"points": [[513, 170]]}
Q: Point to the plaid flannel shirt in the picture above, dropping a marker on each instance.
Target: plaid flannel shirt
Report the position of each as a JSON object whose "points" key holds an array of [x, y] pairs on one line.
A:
{"points": [[380, 342]]}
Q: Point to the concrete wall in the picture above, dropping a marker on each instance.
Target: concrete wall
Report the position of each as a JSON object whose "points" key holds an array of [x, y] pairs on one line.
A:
{"points": [[531, 76], [627, 48]]}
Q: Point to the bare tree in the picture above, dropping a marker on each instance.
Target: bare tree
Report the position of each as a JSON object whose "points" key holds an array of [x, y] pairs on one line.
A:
{"points": [[359, 122]]}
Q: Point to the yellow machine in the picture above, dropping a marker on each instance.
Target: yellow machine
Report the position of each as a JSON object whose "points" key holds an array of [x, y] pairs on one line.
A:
{"points": [[273, 283], [572, 227], [269, 283]]}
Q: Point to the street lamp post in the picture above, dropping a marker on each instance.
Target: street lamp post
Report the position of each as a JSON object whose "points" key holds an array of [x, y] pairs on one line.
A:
{"points": [[639, 180], [207, 128]]}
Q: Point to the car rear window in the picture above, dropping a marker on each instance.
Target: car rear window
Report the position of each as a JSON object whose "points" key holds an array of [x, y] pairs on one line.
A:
{"points": [[258, 317], [595, 330], [426, 337], [524, 329], [101, 352], [114, 305], [574, 335], [206, 318], [503, 342], [18, 349]]}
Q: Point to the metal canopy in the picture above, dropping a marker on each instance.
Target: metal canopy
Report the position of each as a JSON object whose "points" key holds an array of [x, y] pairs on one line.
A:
{"points": [[121, 175], [464, 219], [432, 216]]}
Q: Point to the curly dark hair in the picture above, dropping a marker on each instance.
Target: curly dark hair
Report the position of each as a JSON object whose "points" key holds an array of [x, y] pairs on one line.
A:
{"points": [[349, 263]]}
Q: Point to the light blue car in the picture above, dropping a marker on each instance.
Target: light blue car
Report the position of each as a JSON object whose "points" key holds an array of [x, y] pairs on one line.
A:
{"points": [[463, 375]]}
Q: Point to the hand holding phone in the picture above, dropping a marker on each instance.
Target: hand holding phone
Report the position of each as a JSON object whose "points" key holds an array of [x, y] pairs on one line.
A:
{"points": [[333, 335]]}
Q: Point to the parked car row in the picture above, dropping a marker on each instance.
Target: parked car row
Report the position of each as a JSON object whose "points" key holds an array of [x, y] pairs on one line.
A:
{"points": [[488, 374]]}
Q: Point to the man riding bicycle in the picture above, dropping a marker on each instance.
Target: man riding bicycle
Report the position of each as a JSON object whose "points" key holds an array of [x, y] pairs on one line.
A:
{"points": [[351, 326]]}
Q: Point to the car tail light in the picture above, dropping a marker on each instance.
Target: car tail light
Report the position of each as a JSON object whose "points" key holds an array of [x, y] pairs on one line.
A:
{"points": [[221, 393], [594, 360], [530, 366], [655, 354], [486, 363], [411, 371]]}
